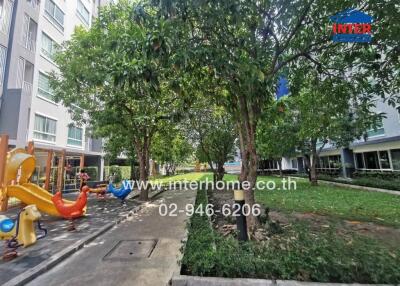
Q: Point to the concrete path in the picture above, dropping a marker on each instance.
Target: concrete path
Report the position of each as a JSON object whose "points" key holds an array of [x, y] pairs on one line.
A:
{"points": [[125, 255], [99, 214]]}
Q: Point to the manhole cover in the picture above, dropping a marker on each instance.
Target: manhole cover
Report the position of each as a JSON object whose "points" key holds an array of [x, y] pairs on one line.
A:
{"points": [[131, 249]]}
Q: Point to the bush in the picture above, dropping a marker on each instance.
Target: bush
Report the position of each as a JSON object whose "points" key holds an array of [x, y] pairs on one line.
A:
{"points": [[116, 172], [380, 175], [298, 253], [92, 172], [366, 181]]}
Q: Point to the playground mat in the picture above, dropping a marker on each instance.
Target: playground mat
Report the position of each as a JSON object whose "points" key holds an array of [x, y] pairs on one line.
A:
{"points": [[99, 213]]}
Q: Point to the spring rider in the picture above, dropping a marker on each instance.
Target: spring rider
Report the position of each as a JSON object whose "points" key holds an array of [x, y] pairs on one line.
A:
{"points": [[20, 232]]}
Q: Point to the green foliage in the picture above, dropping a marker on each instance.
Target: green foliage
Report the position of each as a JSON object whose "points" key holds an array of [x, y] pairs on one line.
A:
{"points": [[277, 133], [116, 172], [389, 181], [122, 77], [296, 254], [92, 172], [213, 132], [171, 148]]}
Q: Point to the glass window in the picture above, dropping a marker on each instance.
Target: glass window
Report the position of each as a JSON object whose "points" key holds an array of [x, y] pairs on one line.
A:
{"points": [[83, 12], [324, 162], [55, 14], [29, 34], [44, 88], [360, 161], [49, 47], [379, 130], [294, 163], [75, 135], [371, 160], [395, 159], [5, 15], [45, 128], [384, 159]]}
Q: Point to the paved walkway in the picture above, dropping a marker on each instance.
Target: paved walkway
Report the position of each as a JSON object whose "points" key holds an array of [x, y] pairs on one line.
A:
{"points": [[99, 213], [125, 255]]}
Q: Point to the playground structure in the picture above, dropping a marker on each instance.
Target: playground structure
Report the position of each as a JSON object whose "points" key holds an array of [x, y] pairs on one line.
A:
{"points": [[16, 169], [74, 210], [22, 231], [120, 193]]}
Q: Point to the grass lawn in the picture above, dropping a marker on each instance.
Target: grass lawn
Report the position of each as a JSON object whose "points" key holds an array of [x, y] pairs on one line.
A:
{"points": [[188, 177], [336, 202]]}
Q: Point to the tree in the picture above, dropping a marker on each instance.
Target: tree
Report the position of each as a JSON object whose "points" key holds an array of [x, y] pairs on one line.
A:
{"points": [[171, 148], [277, 134], [212, 129], [246, 44], [121, 76], [327, 108]]}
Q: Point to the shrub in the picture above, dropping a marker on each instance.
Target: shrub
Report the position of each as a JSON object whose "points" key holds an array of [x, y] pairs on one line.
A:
{"points": [[297, 254]]}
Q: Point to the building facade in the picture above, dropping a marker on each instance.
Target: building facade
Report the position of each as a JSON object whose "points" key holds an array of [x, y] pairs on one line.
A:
{"points": [[379, 151], [31, 31]]}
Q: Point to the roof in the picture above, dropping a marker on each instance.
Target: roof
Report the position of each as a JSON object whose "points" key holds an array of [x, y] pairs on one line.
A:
{"points": [[351, 16]]}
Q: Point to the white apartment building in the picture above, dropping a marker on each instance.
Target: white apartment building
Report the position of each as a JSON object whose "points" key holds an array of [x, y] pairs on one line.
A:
{"points": [[35, 30]]}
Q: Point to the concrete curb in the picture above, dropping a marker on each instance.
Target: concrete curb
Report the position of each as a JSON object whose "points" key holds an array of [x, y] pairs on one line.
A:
{"points": [[38, 270], [184, 280]]}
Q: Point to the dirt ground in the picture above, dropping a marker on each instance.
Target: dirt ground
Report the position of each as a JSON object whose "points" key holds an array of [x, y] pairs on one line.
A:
{"points": [[388, 236]]}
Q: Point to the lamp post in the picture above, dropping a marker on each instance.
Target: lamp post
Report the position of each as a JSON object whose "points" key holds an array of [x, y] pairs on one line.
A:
{"points": [[238, 208]]}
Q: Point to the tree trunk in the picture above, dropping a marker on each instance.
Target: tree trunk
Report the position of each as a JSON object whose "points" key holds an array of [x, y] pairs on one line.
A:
{"points": [[143, 155], [313, 166], [220, 172], [280, 168], [249, 169]]}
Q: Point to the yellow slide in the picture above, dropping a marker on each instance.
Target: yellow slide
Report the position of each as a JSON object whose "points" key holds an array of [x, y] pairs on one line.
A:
{"points": [[31, 194]]}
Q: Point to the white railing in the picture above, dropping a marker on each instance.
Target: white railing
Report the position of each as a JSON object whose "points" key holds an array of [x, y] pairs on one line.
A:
{"points": [[35, 4], [29, 42], [27, 88]]}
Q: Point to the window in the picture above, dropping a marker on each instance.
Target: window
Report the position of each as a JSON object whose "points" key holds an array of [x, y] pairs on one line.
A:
{"points": [[44, 89], [83, 13], [6, 7], [371, 160], [49, 47], [384, 159], [29, 33], [74, 136], [395, 159], [379, 130], [294, 163], [25, 73], [3, 57], [45, 128], [360, 161], [55, 14]]}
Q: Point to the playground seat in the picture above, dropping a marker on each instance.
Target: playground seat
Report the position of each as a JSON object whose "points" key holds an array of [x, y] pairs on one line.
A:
{"points": [[6, 225]]}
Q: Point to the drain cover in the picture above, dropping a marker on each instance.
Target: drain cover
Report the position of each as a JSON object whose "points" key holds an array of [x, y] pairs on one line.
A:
{"points": [[131, 249]]}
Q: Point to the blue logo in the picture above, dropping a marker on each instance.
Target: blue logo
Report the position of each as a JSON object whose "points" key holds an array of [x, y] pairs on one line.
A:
{"points": [[351, 26]]}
